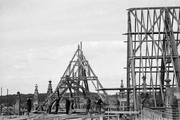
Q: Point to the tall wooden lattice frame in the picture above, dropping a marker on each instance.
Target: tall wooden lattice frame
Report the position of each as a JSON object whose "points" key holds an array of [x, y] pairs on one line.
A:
{"points": [[153, 47]]}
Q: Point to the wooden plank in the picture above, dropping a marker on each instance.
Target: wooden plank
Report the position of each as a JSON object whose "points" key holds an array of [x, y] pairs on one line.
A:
{"points": [[152, 8], [140, 33], [149, 88], [123, 112]]}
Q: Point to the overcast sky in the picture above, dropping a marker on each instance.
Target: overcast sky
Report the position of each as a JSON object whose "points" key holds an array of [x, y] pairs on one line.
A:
{"points": [[39, 37]]}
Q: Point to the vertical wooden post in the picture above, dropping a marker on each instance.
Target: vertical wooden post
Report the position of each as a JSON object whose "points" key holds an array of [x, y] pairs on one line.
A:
{"points": [[128, 63]]}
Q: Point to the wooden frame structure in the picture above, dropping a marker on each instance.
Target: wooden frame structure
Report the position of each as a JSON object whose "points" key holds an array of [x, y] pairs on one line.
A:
{"points": [[78, 80], [153, 46]]}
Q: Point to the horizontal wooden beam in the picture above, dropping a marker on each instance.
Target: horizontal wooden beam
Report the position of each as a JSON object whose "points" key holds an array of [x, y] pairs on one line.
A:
{"points": [[154, 57], [149, 67], [148, 33], [153, 71], [137, 40], [150, 8], [137, 88], [123, 112]]}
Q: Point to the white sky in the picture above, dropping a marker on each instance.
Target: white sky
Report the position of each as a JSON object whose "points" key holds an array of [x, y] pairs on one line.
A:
{"points": [[39, 37]]}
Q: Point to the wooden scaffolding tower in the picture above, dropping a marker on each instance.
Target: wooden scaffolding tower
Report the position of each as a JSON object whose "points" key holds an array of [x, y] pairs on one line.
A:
{"points": [[153, 47]]}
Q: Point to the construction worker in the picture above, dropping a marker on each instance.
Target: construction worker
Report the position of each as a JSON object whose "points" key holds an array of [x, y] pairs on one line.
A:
{"points": [[99, 102], [88, 105], [49, 104], [117, 105], [29, 102], [67, 106], [57, 105]]}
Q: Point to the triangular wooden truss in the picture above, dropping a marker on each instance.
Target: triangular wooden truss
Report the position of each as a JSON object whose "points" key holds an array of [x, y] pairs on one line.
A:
{"points": [[77, 78]]}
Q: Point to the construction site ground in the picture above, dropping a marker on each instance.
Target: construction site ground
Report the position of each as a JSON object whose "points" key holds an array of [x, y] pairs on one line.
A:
{"points": [[56, 117]]}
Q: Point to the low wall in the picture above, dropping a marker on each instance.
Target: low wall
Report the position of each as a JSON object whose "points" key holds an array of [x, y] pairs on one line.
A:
{"points": [[149, 114]]}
